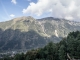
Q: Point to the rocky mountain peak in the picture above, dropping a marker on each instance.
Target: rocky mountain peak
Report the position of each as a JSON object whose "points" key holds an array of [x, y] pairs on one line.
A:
{"points": [[50, 18], [23, 18]]}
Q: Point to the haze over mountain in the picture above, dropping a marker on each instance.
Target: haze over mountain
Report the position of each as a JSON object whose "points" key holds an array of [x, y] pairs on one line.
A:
{"points": [[28, 32]]}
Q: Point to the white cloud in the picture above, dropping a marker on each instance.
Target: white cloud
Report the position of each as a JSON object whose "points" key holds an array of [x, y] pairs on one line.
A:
{"points": [[12, 15], [14, 1], [68, 9]]}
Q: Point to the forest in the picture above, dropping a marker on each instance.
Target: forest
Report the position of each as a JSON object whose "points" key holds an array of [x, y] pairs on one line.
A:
{"points": [[67, 49]]}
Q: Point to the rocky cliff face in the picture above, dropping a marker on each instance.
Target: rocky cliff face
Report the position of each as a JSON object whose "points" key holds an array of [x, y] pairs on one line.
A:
{"points": [[27, 32]]}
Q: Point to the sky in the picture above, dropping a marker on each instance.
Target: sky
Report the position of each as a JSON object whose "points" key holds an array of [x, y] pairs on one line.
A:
{"points": [[67, 9]]}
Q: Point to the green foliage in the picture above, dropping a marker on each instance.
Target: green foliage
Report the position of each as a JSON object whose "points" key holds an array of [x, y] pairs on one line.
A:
{"points": [[68, 48], [62, 53], [19, 57], [73, 44]]}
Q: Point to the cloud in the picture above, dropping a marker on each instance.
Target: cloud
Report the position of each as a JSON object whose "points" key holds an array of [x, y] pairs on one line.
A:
{"points": [[68, 9], [12, 15], [14, 1]]}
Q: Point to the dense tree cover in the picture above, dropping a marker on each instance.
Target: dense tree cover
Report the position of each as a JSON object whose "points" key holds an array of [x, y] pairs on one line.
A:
{"points": [[73, 44], [68, 48]]}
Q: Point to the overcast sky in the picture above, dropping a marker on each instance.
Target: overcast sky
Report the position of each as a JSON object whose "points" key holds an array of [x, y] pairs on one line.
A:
{"points": [[67, 9]]}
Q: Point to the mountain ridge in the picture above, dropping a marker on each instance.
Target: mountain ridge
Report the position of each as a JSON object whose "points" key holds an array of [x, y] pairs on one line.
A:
{"points": [[43, 30], [24, 23]]}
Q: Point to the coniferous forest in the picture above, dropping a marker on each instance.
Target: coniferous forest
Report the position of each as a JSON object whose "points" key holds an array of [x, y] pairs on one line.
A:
{"points": [[67, 48]]}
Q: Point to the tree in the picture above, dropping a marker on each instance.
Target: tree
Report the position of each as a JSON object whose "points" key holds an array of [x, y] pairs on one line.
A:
{"points": [[19, 57], [62, 53]]}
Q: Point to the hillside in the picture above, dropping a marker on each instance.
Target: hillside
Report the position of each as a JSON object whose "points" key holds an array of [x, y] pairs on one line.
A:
{"points": [[67, 49], [27, 32], [45, 27]]}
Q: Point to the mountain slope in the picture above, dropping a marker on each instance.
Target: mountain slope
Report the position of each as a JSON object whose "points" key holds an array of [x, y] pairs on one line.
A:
{"points": [[27, 32], [45, 27], [59, 27]]}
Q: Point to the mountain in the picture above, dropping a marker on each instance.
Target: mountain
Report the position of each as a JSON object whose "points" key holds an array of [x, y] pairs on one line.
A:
{"points": [[27, 32]]}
